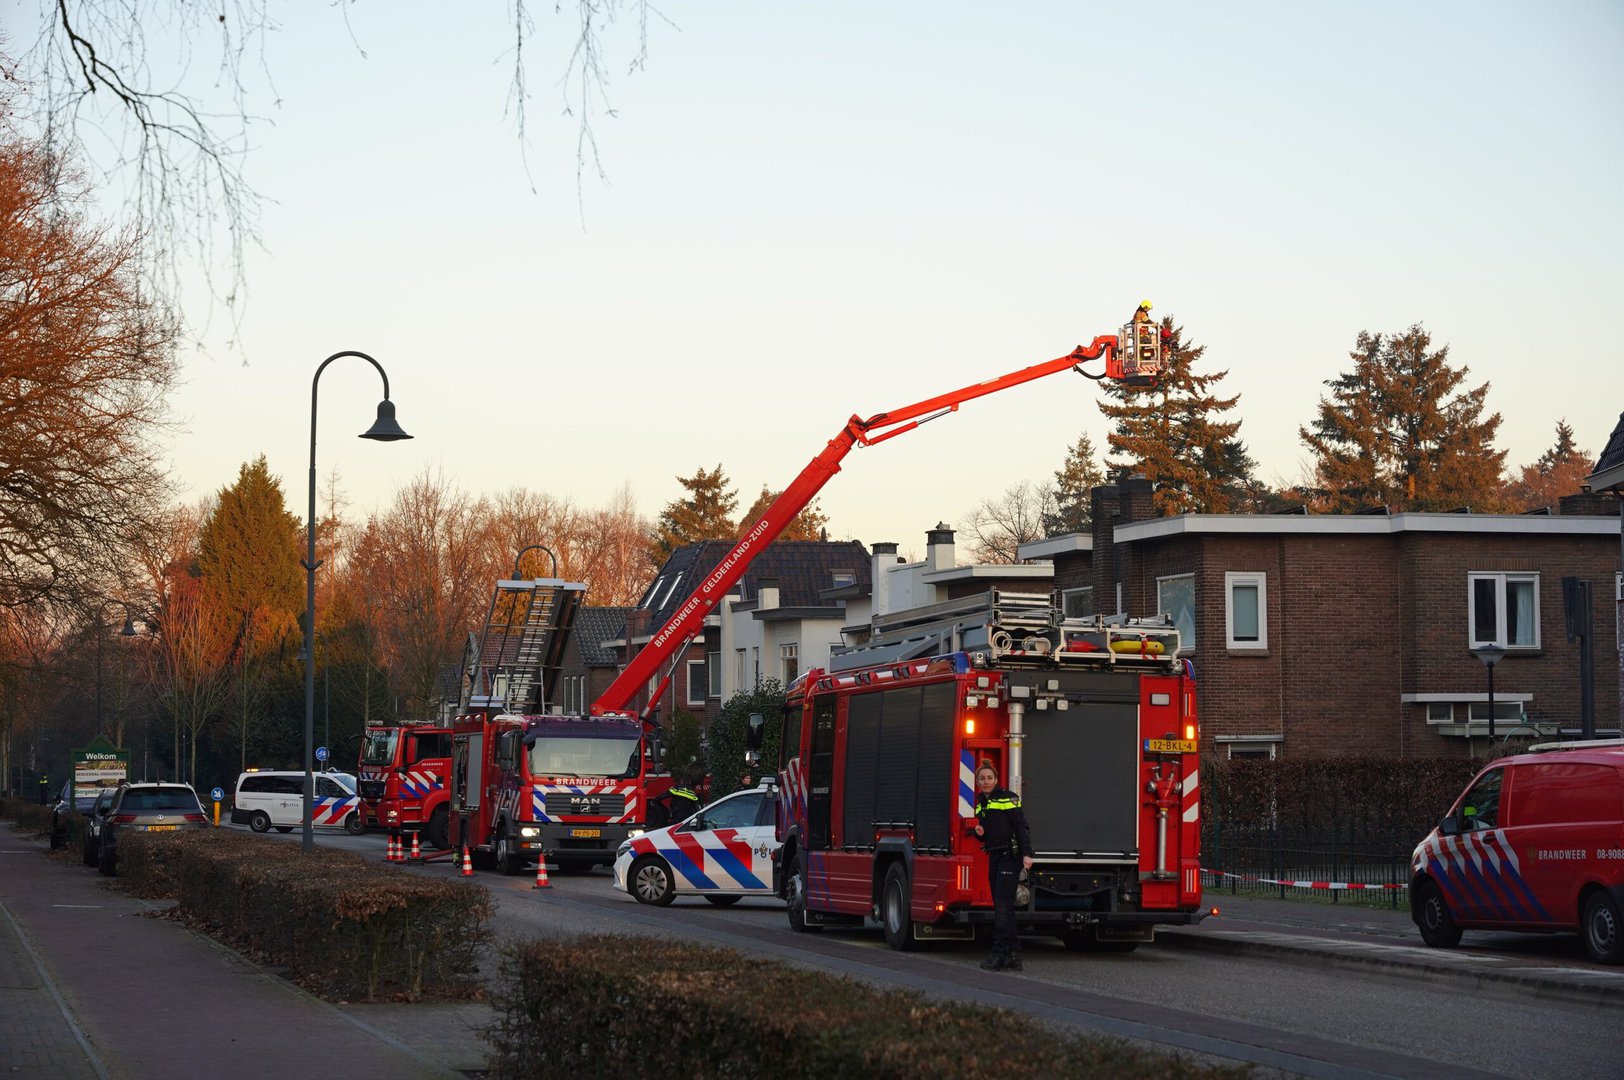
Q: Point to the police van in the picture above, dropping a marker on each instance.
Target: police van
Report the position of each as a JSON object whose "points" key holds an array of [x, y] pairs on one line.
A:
{"points": [[1534, 843], [267, 800]]}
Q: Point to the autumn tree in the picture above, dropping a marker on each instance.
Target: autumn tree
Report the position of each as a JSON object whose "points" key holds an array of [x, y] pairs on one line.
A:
{"points": [[1398, 430], [248, 554], [86, 360], [810, 524], [1559, 471], [1072, 496], [705, 513], [619, 563], [995, 528], [1174, 432]]}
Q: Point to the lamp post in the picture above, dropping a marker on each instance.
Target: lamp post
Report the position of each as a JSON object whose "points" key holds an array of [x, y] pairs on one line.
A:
{"points": [[127, 631], [519, 558], [1491, 655], [383, 429]]}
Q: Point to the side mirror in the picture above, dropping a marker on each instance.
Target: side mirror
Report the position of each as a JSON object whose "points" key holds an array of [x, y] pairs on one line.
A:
{"points": [[656, 749], [1449, 826], [755, 732]]}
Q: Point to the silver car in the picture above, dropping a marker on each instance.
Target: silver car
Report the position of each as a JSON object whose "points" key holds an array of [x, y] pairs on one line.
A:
{"points": [[146, 808]]}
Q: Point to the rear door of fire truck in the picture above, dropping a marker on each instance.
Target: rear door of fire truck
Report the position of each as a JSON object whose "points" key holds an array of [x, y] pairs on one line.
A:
{"points": [[467, 782]]}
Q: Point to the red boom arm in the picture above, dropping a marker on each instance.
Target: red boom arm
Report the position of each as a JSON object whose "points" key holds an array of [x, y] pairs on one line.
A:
{"points": [[690, 617]]}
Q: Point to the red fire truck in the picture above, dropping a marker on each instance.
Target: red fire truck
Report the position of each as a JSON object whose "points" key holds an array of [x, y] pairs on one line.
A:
{"points": [[527, 784], [403, 774], [1093, 724]]}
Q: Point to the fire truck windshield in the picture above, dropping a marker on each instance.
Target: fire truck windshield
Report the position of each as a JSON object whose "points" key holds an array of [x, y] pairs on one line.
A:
{"points": [[615, 755], [379, 747]]}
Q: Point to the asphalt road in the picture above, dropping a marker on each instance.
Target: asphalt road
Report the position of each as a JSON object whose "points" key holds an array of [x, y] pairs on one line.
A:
{"points": [[1298, 1015]]}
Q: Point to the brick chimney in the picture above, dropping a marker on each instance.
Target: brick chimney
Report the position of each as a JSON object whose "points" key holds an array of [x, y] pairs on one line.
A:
{"points": [[766, 594], [1106, 501]]}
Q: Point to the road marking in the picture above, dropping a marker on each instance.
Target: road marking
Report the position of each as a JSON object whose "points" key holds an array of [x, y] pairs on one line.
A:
{"points": [[89, 907]]}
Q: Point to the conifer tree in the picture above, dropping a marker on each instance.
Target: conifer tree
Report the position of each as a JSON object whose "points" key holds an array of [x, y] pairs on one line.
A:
{"points": [[810, 524], [1175, 434], [1072, 497], [705, 513], [1398, 431], [1559, 471]]}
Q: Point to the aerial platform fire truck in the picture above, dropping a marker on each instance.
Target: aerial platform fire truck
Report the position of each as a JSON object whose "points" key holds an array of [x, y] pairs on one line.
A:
{"points": [[527, 784], [1091, 723]]}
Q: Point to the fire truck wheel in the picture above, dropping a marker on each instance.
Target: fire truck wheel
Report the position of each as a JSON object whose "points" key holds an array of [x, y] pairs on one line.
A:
{"points": [[1603, 929], [795, 894], [1432, 916], [894, 914], [438, 833], [651, 881], [260, 821], [506, 859], [354, 824], [726, 900]]}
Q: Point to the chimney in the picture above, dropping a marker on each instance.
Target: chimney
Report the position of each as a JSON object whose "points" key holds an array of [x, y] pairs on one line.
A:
{"points": [[1107, 505], [766, 594], [1138, 504], [884, 557], [939, 554]]}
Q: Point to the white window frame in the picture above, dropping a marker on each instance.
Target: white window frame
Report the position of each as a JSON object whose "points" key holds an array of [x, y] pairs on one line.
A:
{"points": [[1067, 598], [1186, 641], [1501, 579], [1246, 578], [705, 682], [789, 654], [714, 673], [1250, 745]]}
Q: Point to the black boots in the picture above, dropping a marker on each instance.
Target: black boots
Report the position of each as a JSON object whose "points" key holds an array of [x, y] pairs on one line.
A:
{"points": [[1000, 962]]}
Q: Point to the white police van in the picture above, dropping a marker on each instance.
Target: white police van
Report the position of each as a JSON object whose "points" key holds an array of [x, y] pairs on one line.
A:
{"points": [[267, 800]]}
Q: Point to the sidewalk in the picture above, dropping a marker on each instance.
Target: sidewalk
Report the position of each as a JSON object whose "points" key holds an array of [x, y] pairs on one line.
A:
{"points": [[92, 987]]}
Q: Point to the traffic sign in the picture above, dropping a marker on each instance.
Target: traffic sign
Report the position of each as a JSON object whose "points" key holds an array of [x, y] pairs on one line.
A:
{"points": [[217, 794], [321, 753]]}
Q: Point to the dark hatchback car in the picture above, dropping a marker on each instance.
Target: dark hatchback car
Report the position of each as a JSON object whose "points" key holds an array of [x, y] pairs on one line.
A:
{"points": [[95, 818], [68, 806], [146, 808]]}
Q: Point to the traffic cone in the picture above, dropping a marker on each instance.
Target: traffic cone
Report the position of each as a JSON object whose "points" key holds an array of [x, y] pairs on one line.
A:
{"points": [[467, 863], [417, 852], [541, 874], [389, 855]]}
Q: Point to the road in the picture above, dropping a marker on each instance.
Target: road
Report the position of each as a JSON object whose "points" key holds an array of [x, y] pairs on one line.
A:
{"points": [[1347, 1014]]}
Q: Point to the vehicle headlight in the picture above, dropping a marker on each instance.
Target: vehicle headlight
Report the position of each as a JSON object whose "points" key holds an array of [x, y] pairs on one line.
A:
{"points": [[393, 815], [633, 834], [625, 846], [529, 831]]}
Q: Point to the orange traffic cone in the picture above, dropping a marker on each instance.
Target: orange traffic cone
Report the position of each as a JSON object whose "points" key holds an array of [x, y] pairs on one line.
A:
{"points": [[389, 854], [417, 852], [467, 863], [541, 874]]}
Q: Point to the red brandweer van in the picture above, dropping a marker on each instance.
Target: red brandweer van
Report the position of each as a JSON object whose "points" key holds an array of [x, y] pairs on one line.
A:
{"points": [[1536, 842]]}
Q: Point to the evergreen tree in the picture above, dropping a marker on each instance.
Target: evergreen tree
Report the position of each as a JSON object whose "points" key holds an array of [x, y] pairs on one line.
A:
{"points": [[705, 513], [1398, 431], [1072, 496], [1559, 471], [809, 524], [1174, 433]]}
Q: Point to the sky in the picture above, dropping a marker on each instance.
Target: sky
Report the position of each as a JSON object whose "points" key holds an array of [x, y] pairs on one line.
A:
{"points": [[816, 210]]}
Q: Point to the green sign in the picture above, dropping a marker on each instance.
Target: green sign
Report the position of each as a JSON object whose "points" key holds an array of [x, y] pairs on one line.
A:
{"points": [[99, 767]]}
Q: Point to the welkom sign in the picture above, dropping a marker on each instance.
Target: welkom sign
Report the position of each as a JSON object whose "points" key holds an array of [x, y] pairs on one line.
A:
{"points": [[99, 767]]}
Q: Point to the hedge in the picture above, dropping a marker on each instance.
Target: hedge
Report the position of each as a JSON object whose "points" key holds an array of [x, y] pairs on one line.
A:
{"points": [[627, 1006], [343, 926]]}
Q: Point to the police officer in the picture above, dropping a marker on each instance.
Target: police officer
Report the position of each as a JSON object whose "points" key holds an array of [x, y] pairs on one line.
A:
{"points": [[1001, 824], [682, 802]]}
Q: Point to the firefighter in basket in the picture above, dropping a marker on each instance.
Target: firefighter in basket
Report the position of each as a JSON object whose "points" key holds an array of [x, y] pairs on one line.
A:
{"points": [[1001, 825]]}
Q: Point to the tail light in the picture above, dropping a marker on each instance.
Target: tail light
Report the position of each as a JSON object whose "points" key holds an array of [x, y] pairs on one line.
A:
{"points": [[197, 817], [123, 819]]}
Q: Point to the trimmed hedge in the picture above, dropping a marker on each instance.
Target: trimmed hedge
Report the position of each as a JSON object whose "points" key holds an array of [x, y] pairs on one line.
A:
{"points": [[344, 927], [620, 1005]]}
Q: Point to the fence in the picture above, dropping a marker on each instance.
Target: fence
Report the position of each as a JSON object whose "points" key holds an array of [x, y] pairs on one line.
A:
{"points": [[1350, 865]]}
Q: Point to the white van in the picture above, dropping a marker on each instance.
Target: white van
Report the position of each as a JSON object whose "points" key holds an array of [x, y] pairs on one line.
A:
{"points": [[268, 800]]}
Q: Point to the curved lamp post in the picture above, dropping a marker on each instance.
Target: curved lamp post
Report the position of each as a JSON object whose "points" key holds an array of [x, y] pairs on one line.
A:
{"points": [[1491, 654], [519, 558], [383, 429]]}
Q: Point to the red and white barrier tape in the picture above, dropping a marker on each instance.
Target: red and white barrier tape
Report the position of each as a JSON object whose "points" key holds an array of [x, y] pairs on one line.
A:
{"points": [[1302, 884]]}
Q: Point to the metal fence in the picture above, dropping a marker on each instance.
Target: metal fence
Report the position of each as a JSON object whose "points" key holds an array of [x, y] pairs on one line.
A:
{"points": [[1341, 863]]}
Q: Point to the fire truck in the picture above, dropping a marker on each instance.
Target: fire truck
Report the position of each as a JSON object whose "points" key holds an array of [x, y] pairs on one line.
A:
{"points": [[403, 774], [527, 784], [1091, 723]]}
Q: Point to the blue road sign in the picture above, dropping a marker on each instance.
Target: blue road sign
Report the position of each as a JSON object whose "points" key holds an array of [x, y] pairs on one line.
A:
{"points": [[216, 794], [321, 753]]}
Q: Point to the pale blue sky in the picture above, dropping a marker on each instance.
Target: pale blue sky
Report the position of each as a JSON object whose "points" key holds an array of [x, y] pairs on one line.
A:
{"points": [[820, 209]]}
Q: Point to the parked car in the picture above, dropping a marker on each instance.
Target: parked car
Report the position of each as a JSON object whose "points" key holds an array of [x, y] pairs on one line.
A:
{"points": [[723, 853], [266, 800], [146, 807], [69, 805], [95, 818], [1535, 842]]}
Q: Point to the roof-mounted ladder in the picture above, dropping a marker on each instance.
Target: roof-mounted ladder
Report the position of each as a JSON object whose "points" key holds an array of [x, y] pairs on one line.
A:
{"points": [[521, 649]]}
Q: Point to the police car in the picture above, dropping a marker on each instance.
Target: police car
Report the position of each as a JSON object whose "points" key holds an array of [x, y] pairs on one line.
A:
{"points": [[723, 853]]}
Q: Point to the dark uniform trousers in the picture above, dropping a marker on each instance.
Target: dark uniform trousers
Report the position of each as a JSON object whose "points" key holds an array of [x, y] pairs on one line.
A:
{"points": [[1003, 873]]}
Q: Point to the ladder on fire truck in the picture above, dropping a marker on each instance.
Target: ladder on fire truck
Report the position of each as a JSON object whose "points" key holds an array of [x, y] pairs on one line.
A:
{"points": [[516, 661], [1010, 628]]}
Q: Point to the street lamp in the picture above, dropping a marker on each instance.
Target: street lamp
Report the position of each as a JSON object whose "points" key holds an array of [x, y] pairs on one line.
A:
{"points": [[383, 429], [1490, 654], [127, 631], [519, 558]]}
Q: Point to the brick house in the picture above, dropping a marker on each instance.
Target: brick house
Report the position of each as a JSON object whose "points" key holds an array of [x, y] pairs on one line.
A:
{"points": [[1609, 479], [1317, 635], [589, 665]]}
